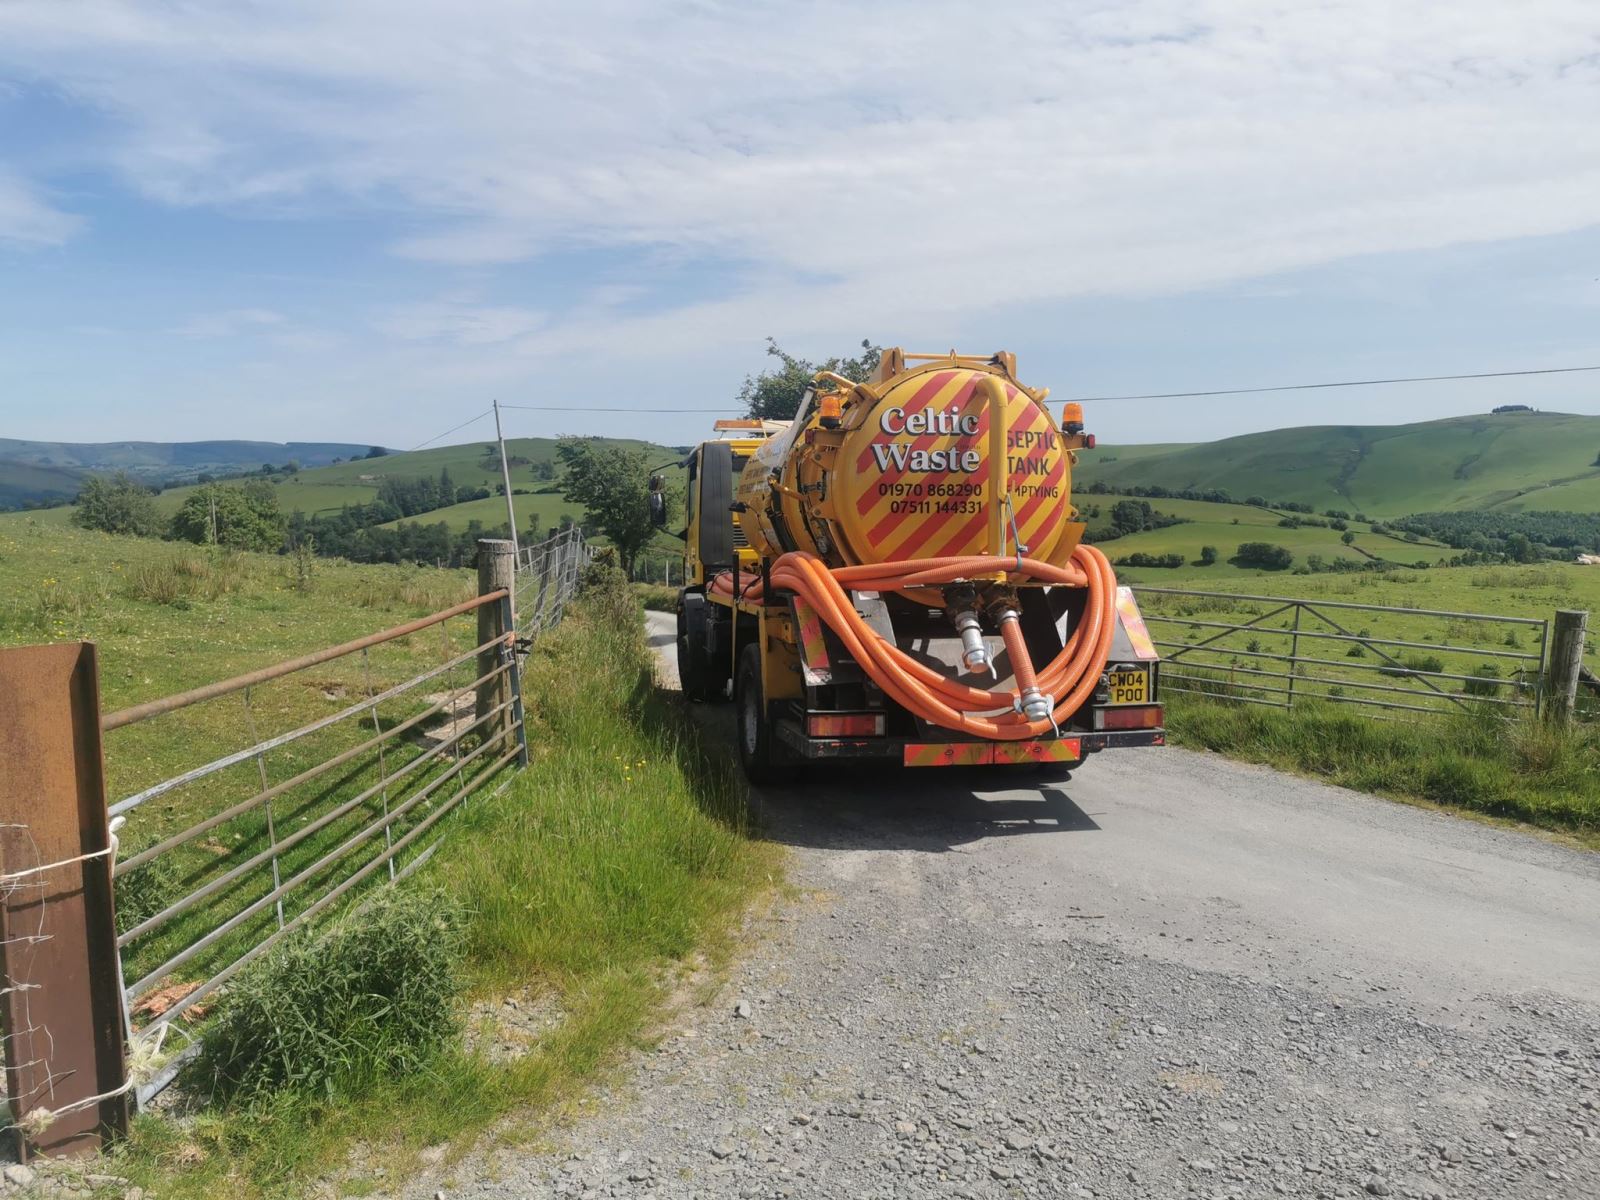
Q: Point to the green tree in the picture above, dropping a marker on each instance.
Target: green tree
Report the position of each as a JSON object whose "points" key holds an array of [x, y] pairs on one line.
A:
{"points": [[1208, 556], [1520, 548], [1348, 537], [613, 485], [774, 394], [245, 518], [118, 504], [1264, 555]]}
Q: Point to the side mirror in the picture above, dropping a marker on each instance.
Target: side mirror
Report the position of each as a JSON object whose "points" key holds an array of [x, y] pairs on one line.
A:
{"points": [[658, 501]]}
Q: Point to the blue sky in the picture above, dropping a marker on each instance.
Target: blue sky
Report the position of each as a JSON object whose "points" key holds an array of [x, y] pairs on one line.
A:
{"points": [[363, 221]]}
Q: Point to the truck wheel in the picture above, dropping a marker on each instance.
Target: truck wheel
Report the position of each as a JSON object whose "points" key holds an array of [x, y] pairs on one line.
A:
{"points": [[692, 663], [754, 729]]}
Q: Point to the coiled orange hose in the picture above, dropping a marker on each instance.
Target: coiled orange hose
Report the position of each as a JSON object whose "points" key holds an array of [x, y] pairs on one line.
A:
{"points": [[1071, 675]]}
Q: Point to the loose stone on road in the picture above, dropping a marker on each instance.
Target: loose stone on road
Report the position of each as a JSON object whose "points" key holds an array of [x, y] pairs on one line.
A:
{"points": [[1171, 976]]}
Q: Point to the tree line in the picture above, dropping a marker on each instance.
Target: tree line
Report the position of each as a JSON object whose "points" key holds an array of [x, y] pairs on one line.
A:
{"points": [[1519, 536]]}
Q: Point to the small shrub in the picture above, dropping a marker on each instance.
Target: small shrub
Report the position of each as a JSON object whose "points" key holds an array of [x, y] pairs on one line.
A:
{"points": [[1415, 664], [303, 558], [1355, 652], [1485, 684], [369, 997]]}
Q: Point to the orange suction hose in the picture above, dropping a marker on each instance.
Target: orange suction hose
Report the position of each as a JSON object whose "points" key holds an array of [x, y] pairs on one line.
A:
{"points": [[946, 702]]}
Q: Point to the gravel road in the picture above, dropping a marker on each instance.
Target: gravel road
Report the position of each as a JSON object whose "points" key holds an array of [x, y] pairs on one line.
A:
{"points": [[1173, 975]]}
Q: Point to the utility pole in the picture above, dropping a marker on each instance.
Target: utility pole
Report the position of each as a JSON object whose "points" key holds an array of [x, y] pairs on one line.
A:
{"points": [[511, 509]]}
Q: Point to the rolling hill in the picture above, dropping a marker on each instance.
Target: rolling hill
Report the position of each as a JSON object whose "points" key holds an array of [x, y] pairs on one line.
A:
{"points": [[325, 490], [31, 472], [27, 483], [1515, 461]]}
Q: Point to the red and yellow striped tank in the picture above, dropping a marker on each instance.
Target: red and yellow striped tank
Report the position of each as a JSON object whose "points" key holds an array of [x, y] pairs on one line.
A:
{"points": [[900, 469]]}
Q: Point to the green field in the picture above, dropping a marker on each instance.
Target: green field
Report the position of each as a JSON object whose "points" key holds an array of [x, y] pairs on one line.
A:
{"points": [[540, 510], [1512, 460], [1225, 526]]}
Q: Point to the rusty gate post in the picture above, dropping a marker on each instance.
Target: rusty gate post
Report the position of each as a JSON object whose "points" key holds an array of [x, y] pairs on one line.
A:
{"points": [[58, 942], [496, 570]]}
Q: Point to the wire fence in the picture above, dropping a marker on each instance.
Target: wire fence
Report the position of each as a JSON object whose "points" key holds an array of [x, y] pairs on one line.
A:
{"points": [[1274, 651], [548, 575], [343, 765]]}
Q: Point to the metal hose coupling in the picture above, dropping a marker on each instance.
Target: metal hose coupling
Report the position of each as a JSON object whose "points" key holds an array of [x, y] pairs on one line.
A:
{"points": [[974, 650], [1036, 705]]}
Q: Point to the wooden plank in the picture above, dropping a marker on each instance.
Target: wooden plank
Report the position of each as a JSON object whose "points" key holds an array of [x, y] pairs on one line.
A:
{"points": [[63, 1011]]}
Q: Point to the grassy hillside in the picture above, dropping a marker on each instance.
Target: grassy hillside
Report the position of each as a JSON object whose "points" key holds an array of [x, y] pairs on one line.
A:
{"points": [[543, 510], [1513, 460], [25, 483], [326, 489], [1225, 526], [34, 471]]}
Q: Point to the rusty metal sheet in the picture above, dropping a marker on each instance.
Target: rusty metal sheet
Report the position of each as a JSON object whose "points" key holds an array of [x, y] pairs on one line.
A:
{"points": [[57, 933]]}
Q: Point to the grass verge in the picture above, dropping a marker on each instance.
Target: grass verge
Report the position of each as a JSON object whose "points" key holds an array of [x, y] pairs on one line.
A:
{"points": [[1523, 770], [618, 853], [657, 597]]}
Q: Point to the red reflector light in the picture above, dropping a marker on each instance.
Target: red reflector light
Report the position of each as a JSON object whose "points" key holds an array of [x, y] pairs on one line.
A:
{"points": [[845, 725], [1136, 716], [1088, 441]]}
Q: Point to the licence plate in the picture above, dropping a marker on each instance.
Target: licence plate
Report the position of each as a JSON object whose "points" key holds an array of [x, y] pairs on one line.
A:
{"points": [[1130, 686]]}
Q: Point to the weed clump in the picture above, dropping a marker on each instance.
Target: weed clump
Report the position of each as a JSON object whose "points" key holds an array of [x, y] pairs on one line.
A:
{"points": [[368, 998]]}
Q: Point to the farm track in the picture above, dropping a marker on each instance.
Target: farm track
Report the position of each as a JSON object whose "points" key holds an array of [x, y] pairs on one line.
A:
{"points": [[1173, 975]]}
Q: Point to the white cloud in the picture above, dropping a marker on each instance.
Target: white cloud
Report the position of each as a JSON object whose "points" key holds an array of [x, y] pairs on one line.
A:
{"points": [[26, 220], [918, 157], [229, 323]]}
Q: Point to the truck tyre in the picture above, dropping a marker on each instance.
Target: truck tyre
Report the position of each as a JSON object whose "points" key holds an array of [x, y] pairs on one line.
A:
{"points": [[757, 753], [693, 660]]}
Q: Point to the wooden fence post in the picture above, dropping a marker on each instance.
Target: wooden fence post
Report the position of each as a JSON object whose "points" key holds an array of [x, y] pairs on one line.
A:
{"points": [[496, 570], [62, 1004], [1566, 661]]}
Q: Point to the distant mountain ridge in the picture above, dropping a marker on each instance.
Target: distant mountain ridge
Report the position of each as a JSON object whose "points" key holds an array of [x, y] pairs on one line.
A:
{"points": [[33, 472], [1512, 461]]}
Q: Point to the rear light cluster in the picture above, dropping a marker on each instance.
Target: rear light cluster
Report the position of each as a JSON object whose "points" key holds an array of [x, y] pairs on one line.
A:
{"points": [[835, 725], [1133, 716]]}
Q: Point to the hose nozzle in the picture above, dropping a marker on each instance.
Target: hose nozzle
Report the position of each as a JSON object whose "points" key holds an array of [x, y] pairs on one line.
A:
{"points": [[974, 650]]}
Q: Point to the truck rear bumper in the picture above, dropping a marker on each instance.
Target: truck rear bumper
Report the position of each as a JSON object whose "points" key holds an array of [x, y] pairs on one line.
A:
{"points": [[1068, 750]]}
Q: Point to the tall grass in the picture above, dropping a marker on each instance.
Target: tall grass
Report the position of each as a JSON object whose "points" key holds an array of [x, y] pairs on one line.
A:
{"points": [[618, 854], [648, 824], [657, 597], [1525, 769], [335, 1011], [184, 575]]}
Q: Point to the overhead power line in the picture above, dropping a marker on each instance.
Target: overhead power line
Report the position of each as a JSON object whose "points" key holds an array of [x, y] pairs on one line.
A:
{"points": [[599, 408], [452, 429], [1301, 387], [1286, 387]]}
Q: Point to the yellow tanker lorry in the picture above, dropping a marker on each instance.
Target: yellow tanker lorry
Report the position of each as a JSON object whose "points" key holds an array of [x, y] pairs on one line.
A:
{"points": [[898, 573]]}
